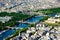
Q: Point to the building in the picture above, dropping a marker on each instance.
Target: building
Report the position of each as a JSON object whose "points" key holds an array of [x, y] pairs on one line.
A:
{"points": [[4, 19], [52, 20], [30, 30]]}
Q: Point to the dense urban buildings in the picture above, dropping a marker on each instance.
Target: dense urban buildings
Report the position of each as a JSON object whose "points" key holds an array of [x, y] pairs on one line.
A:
{"points": [[29, 19], [18, 5]]}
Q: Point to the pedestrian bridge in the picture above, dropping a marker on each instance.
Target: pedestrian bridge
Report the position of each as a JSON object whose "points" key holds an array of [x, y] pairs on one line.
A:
{"points": [[15, 28], [26, 22]]}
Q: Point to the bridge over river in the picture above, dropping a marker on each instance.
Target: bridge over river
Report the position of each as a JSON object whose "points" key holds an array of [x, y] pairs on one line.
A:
{"points": [[27, 22], [14, 28]]}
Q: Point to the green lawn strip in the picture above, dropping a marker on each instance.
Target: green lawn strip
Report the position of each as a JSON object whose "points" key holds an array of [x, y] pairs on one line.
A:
{"points": [[32, 25], [44, 18], [49, 10]]}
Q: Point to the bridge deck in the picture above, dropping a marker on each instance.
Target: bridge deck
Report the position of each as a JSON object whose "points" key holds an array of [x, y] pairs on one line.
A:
{"points": [[27, 22]]}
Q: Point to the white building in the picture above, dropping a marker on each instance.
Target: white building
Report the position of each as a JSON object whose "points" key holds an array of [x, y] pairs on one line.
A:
{"points": [[30, 30], [52, 20], [4, 19]]}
